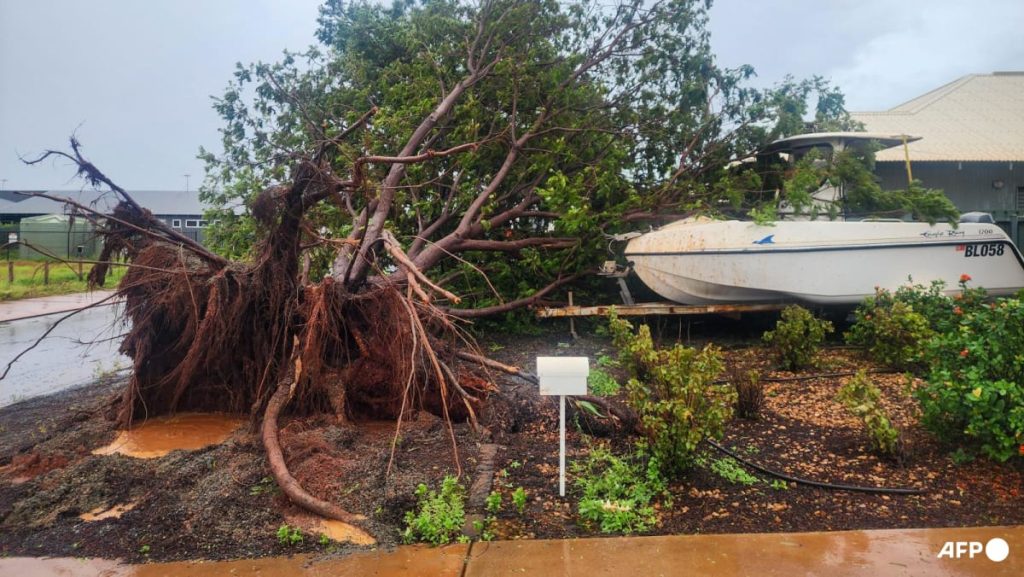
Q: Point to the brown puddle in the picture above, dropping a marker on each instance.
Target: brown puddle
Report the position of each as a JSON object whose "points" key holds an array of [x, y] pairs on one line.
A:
{"points": [[158, 436], [335, 530], [101, 513], [340, 531]]}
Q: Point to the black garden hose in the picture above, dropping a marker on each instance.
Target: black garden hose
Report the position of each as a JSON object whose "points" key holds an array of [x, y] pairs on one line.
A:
{"points": [[819, 484]]}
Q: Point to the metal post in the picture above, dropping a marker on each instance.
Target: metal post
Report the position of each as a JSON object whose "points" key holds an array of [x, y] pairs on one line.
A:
{"points": [[572, 321], [10, 272], [561, 445], [46, 272], [906, 156]]}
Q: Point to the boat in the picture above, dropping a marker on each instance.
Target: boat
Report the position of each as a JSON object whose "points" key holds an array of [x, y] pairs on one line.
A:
{"points": [[702, 261], [699, 261]]}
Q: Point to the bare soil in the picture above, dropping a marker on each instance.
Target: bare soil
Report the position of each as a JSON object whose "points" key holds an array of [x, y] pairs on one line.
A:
{"points": [[218, 502]]}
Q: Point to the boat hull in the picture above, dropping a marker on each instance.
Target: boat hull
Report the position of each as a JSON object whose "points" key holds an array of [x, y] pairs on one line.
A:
{"points": [[706, 262]]}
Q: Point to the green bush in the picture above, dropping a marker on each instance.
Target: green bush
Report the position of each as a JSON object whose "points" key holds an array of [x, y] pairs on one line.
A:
{"points": [[616, 493], [891, 331], [797, 337], [290, 536], [519, 500], [601, 384], [674, 393], [439, 517], [975, 387], [863, 399]]}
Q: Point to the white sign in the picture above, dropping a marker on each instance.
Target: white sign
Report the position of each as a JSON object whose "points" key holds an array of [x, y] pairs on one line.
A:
{"points": [[12, 237], [562, 376]]}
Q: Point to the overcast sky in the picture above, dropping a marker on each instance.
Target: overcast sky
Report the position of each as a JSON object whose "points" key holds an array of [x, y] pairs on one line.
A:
{"points": [[134, 77]]}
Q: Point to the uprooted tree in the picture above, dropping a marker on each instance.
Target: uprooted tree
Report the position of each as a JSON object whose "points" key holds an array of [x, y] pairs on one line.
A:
{"points": [[427, 149]]}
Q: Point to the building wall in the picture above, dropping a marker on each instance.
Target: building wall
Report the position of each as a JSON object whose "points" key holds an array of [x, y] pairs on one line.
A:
{"points": [[185, 224], [972, 186]]}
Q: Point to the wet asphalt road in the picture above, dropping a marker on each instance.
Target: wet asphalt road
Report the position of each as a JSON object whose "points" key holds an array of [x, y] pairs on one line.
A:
{"points": [[79, 350]]}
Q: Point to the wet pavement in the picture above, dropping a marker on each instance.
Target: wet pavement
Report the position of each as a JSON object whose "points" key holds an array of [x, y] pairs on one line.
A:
{"points": [[28, 308], [835, 554], [79, 350], [901, 552]]}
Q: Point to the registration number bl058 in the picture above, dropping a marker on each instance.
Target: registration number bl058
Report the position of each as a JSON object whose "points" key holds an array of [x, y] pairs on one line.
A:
{"points": [[986, 249]]}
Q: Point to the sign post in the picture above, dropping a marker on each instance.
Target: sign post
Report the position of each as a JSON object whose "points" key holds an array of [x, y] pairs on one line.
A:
{"points": [[562, 376]]}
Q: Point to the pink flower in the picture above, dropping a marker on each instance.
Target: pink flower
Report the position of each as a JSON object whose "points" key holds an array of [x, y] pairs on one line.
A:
{"points": [[965, 277]]}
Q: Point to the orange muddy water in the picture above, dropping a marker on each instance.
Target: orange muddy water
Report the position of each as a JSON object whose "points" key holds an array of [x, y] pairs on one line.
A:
{"points": [[156, 437], [341, 531]]}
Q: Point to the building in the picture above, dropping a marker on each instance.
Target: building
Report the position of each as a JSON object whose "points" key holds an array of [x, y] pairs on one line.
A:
{"points": [[971, 147], [181, 210]]}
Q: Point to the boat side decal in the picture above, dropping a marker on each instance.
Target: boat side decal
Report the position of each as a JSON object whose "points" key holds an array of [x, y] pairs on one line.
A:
{"points": [[970, 249], [770, 239]]}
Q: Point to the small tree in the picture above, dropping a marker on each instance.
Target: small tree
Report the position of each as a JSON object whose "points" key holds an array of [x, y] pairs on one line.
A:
{"points": [[891, 331], [797, 337], [864, 400], [674, 392]]}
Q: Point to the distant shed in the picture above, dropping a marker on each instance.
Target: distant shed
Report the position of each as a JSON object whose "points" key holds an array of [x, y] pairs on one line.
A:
{"points": [[57, 234]]}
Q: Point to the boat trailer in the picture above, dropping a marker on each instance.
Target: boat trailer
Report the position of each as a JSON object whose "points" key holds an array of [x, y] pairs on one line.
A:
{"points": [[631, 308], [665, 308]]}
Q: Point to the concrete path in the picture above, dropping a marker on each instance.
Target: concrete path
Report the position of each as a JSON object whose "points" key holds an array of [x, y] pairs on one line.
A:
{"points": [[28, 308], [898, 552], [834, 554]]}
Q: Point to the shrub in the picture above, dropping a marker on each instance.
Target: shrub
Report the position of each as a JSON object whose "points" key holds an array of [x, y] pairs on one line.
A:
{"points": [[290, 536], [890, 331], [863, 399], [749, 394], [616, 493], [975, 387], [439, 517], [519, 500], [674, 393], [797, 337], [601, 384]]}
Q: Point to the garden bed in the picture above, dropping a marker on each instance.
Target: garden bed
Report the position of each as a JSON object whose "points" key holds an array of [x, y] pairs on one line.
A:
{"points": [[218, 503]]}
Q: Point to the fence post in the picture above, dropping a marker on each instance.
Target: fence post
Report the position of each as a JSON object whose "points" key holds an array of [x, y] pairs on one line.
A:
{"points": [[10, 272], [79, 270], [46, 272]]}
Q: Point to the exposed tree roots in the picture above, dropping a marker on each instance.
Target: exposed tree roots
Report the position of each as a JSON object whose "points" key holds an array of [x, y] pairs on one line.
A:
{"points": [[256, 337], [279, 469]]}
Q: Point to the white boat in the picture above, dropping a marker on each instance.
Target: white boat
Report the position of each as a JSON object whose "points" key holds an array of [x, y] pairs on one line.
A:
{"points": [[702, 261]]}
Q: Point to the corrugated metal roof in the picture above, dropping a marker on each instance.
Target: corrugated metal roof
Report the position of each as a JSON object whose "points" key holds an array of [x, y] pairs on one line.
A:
{"points": [[159, 202], [979, 117]]}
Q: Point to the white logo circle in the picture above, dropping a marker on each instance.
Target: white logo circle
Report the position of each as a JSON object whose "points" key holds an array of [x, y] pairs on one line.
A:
{"points": [[997, 549]]}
